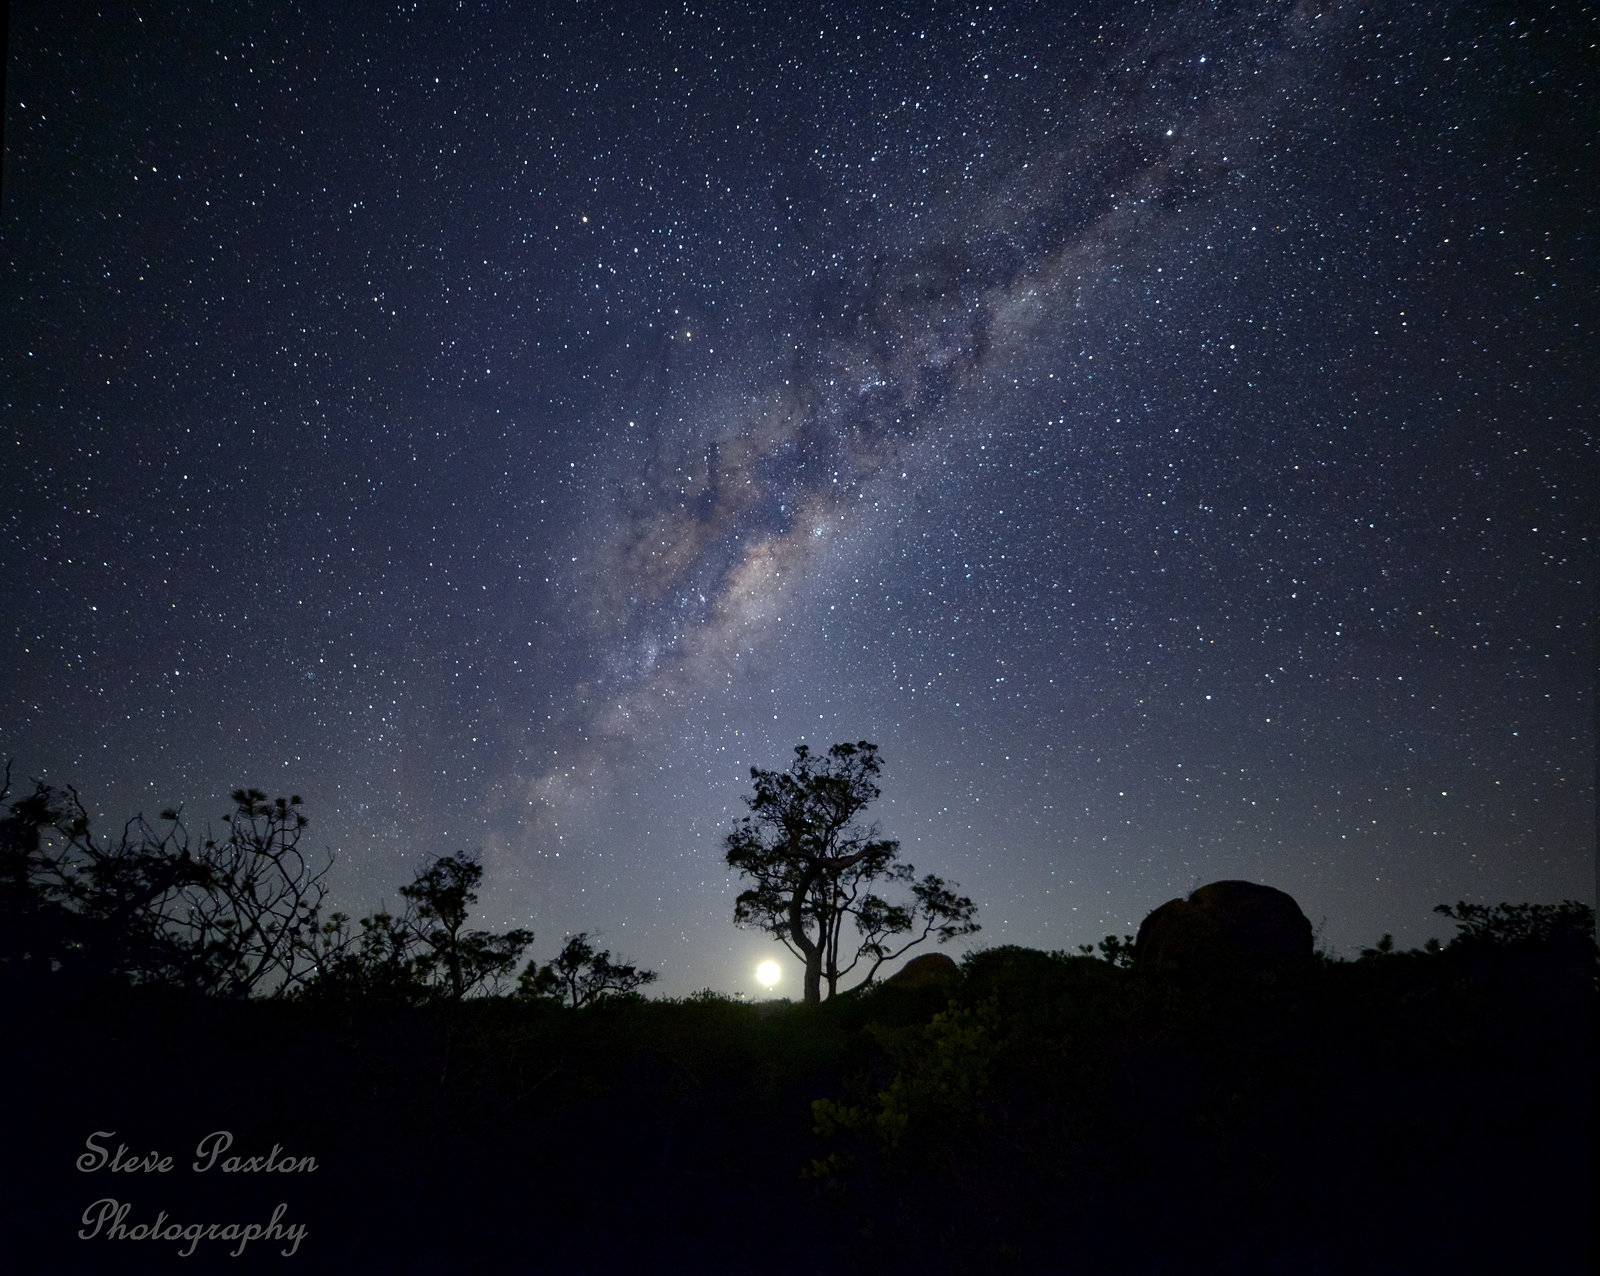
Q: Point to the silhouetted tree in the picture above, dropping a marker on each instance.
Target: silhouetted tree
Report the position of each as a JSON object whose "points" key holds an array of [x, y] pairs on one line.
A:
{"points": [[814, 864], [253, 913], [40, 930], [1118, 952], [1567, 926], [229, 916], [456, 960], [1385, 948], [377, 964], [580, 975]]}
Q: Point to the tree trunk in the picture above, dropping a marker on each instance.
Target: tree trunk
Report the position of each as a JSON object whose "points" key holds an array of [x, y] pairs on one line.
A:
{"points": [[797, 932], [813, 993]]}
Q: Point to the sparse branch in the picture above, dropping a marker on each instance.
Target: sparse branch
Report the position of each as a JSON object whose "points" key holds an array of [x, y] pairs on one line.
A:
{"points": [[233, 917]]}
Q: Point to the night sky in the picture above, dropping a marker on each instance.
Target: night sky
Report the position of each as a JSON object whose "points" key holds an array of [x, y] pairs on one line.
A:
{"points": [[1166, 430]]}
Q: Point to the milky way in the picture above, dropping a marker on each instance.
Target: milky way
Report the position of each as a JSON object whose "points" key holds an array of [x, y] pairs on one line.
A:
{"points": [[727, 516], [1166, 430]]}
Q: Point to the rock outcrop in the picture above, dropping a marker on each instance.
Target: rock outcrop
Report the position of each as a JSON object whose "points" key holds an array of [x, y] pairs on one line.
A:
{"points": [[919, 972], [1225, 923]]}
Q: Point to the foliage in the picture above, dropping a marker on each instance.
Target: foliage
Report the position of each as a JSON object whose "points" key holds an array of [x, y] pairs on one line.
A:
{"points": [[377, 965], [1063, 1114], [1134, 1111], [423, 953], [233, 915], [814, 864], [580, 975], [76, 905], [254, 912], [1567, 926], [1563, 931], [228, 915], [453, 959], [1118, 952], [944, 1066], [1385, 948]]}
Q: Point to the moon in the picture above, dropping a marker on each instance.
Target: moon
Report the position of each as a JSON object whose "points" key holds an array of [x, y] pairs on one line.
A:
{"points": [[768, 972]]}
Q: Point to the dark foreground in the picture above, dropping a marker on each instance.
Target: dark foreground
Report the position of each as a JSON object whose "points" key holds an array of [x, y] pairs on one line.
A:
{"points": [[1408, 1114]]}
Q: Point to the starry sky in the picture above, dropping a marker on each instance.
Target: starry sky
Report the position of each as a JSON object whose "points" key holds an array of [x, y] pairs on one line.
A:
{"points": [[1165, 429]]}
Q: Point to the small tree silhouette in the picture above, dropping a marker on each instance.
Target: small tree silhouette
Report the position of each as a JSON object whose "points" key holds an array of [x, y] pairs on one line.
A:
{"points": [[580, 975], [1115, 951], [455, 960]]}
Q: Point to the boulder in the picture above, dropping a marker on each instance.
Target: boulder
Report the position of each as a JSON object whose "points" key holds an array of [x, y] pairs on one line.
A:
{"points": [[1225, 923], [919, 972]]}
